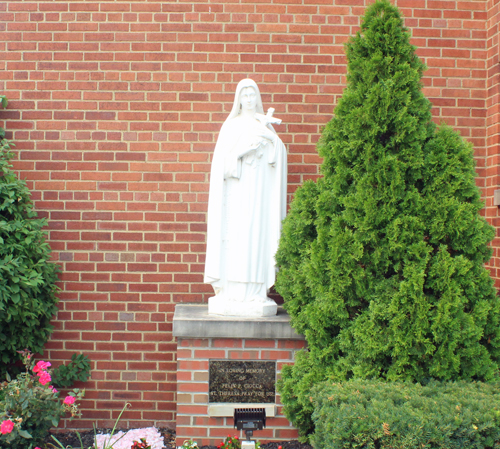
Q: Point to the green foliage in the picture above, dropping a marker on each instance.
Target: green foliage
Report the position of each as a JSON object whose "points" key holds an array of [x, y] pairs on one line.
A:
{"points": [[230, 443], [27, 277], [32, 405], [295, 388], [78, 369], [381, 261], [375, 414]]}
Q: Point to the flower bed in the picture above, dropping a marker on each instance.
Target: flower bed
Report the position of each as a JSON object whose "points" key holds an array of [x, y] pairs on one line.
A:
{"points": [[30, 405], [168, 435]]}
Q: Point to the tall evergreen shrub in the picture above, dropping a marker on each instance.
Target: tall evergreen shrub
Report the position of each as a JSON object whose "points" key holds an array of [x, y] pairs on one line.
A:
{"points": [[27, 277], [381, 260]]}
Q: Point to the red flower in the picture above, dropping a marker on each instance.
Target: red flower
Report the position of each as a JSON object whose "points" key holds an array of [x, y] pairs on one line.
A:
{"points": [[6, 426], [69, 400], [44, 378], [41, 366]]}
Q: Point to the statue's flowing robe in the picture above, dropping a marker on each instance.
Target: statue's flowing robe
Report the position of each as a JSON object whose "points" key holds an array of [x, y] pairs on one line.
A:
{"points": [[247, 202]]}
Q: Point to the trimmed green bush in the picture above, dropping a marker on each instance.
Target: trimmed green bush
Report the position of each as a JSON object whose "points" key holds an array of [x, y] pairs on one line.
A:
{"points": [[381, 260], [375, 414], [27, 277], [77, 370]]}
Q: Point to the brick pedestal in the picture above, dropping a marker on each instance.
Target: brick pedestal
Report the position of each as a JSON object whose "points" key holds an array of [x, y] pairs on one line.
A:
{"points": [[201, 338]]}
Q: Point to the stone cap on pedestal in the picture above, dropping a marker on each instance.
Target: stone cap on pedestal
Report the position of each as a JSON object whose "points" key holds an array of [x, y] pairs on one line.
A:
{"points": [[193, 321]]}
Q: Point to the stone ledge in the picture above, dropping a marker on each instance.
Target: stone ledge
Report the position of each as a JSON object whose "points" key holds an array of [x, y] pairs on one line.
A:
{"points": [[193, 321]]}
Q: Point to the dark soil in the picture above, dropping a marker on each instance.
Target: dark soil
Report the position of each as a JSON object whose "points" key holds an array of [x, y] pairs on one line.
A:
{"points": [[71, 439]]}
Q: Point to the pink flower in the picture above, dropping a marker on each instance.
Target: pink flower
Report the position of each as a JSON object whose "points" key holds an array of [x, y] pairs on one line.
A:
{"points": [[41, 366], [6, 426], [69, 400], [44, 378], [53, 391]]}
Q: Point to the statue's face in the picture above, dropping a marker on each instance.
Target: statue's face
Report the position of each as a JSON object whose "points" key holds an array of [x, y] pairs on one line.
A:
{"points": [[248, 98]]}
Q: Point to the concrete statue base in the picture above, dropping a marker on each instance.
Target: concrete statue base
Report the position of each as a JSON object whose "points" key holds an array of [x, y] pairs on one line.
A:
{"points": [[258, 308]]}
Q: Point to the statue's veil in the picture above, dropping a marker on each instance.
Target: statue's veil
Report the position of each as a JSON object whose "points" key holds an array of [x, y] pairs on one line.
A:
{"points": [[235, 111], [247, 82]]}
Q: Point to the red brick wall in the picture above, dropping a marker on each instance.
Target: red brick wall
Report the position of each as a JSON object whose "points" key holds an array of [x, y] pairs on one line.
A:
{"points": [[115, 108], [492, 178]]}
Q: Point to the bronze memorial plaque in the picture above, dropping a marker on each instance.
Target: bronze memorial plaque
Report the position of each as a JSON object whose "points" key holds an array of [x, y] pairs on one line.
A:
{"points": [[241, 381]]}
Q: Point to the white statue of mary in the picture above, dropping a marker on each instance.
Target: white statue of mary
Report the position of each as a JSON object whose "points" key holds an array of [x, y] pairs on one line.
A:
{"points": [[247, 202]]}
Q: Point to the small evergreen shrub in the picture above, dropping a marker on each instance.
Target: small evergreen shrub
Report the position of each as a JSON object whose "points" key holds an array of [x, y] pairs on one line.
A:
{"points": [[27, 277], [376, 414], [381, 261]]}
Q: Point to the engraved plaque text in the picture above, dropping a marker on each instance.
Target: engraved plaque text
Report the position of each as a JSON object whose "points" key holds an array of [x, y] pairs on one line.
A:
{"points": [[242, 381]]}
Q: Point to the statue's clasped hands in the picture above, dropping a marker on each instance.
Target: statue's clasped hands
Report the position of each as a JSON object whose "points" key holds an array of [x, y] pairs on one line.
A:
{"points": [[260, 135], [264, 132]]}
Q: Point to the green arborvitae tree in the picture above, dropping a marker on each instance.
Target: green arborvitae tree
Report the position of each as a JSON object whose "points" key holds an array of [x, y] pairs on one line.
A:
{"points": [[27, 277], [381, 261]]}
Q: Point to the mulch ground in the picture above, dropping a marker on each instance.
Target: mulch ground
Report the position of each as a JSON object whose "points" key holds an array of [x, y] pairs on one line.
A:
{"points": [[70, 439]]}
